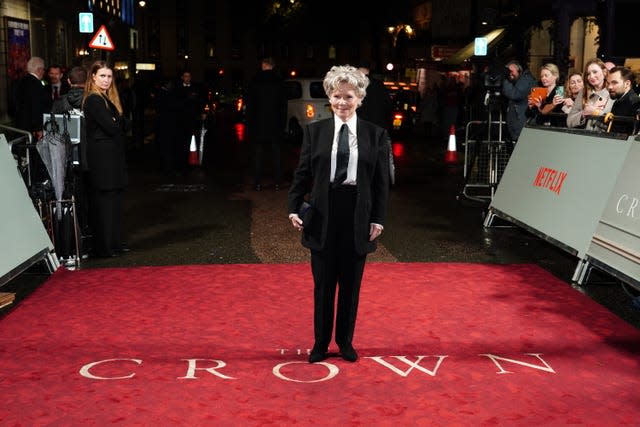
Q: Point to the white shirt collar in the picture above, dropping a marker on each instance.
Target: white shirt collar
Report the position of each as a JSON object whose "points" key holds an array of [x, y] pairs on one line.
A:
{"points": [[351, 123]]}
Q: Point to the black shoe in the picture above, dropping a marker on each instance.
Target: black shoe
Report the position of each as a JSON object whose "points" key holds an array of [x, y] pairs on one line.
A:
{"points": [[317, 355], [124, 250], [258, 187], [348, 353], [277, 187]]}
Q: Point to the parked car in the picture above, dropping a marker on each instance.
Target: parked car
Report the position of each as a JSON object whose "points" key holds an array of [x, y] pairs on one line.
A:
{"points": [[307, 103]]}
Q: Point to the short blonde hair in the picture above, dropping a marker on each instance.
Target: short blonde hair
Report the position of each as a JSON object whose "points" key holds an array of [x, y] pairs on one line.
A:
{"points": [[552, 68], [339, 74]]}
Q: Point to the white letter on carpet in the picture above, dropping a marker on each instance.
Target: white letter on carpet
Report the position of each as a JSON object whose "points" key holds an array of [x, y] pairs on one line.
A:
{"points": [[84, 371], [192, 369], [495, 359], [412, 365], [333, 371]]}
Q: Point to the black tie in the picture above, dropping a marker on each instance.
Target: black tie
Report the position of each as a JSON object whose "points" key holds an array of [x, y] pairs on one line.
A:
{"points": [[56, 93], [342, 156]]}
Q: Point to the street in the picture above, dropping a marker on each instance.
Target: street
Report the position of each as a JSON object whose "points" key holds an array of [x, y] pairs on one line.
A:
{"points": [[213, 215]]}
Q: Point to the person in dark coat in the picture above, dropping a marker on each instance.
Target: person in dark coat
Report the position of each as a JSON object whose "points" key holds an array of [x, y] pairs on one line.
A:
{"points": [[376, 106], [167, 109], [31, 98], [57, 87], [106, 157], [266, 119], [516, 88], [190, 102], [344, 164], [71, 102], [626, 102]]}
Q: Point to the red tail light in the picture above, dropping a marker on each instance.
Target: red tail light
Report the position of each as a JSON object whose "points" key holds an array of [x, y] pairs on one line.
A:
{"points": [[240, 129]]}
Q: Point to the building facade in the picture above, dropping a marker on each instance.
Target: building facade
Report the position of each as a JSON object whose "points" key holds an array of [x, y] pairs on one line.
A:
{"points": [[220, 42]]}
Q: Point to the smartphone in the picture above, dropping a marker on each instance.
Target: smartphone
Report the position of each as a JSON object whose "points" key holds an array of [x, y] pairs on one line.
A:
{"points": [[560, 91]]}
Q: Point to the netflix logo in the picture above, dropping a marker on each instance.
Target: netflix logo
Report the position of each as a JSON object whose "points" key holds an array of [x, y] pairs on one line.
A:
{"points": [[550, 179]]}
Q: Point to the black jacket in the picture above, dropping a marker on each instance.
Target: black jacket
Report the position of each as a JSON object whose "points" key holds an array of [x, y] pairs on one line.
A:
{"points": [[313, 175], [105, 144], [31, 102], [266, 108], [627, 106], [376, 106]]}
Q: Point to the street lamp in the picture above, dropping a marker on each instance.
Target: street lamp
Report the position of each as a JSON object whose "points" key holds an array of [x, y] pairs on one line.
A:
{"points": [[395, 31]]}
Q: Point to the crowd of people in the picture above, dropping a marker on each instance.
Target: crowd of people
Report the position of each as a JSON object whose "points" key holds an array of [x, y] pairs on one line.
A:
{"points": [[601, 99], [101, 175]]}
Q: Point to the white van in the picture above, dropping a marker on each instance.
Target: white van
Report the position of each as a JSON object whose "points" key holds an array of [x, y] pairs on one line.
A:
{"points": [[307, 103]]}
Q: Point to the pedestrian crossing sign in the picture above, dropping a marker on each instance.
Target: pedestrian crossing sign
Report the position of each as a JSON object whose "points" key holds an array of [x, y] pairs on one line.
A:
{"points": [[101, 40]]}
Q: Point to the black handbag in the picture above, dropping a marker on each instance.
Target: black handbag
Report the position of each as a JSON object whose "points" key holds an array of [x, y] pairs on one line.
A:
{"points": [[306, 213]]}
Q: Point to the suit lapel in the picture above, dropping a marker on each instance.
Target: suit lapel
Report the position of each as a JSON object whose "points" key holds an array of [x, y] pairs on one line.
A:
{"points": [[325, 141], [364, 148]]}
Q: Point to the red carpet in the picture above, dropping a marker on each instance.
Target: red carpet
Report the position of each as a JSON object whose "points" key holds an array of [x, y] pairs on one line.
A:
{"points": [[439, 344]]}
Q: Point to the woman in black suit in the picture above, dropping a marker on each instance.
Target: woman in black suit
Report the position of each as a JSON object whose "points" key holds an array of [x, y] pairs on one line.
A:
{"points": [[106, 159], [344, 167]]}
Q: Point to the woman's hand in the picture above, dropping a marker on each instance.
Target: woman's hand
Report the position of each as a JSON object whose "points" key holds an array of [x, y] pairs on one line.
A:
{"points": [[296, 222], [375, 231], [590, 110], [535, 102], [557, 100], [568, 102]]}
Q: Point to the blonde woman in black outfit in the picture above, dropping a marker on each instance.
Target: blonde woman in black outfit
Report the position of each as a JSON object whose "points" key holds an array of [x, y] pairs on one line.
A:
{"points": [[106, 159]]}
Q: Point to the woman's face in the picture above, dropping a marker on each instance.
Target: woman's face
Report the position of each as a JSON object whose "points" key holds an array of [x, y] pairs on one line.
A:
{"points": [[547, 78], [595, 76], [103, 78], [575, 84], [344, 101]]}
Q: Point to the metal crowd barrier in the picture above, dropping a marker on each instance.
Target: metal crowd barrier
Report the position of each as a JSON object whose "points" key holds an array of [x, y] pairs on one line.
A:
{"points": [[485, 157]]}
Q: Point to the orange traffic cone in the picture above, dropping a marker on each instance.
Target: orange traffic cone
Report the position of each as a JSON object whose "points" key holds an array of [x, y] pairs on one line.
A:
{"points": [[193, 152], [452, 151]]}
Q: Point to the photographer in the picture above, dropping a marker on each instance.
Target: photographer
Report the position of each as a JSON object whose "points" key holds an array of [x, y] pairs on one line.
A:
{"points": [[516, 88]]}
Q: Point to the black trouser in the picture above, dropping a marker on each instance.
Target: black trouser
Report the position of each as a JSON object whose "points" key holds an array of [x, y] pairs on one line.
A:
{"points": [[106, 218], [337, 264]]}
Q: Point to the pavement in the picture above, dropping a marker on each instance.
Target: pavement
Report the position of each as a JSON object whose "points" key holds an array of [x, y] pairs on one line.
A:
{"points": [[211, 214]]}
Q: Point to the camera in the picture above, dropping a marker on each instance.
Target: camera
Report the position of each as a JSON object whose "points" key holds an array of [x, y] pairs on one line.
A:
{"points": [[493, 80]]}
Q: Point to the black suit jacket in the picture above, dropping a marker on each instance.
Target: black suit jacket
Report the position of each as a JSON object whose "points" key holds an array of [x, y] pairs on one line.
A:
{"points": [[31, 101], [627, 106], [313, 174]]}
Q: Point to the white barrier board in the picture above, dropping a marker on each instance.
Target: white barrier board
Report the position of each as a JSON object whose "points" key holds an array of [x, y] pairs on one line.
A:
{"points": [[23, 238], [557, 184], [616, 241]]}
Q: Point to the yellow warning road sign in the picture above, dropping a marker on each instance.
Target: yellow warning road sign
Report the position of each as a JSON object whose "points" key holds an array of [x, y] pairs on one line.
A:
{"points": [[101, 40]]}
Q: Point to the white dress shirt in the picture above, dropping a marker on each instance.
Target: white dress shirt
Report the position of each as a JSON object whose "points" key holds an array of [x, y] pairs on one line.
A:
{"points": [[352, 168]]}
